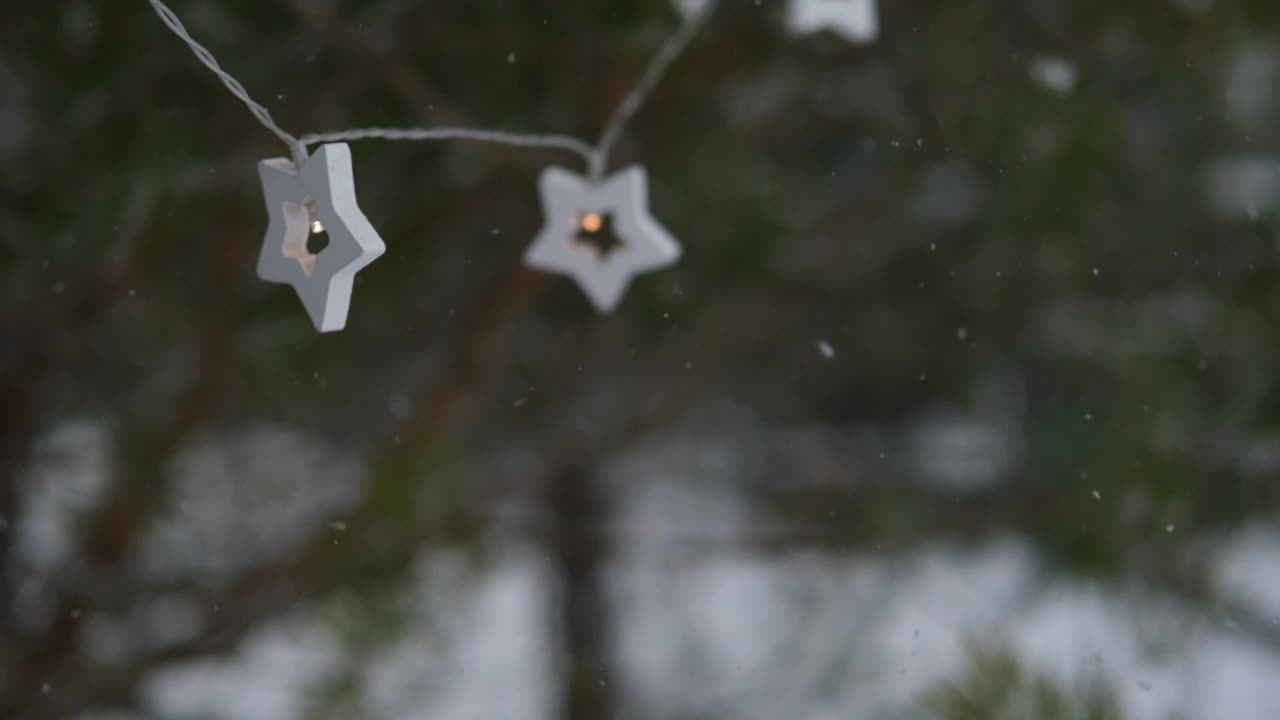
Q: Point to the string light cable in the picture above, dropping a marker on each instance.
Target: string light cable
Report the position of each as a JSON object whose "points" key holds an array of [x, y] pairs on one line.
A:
{"points": [[596, 156]]}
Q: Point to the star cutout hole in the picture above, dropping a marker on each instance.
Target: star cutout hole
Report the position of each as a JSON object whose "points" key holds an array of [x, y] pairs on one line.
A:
{"points": [[304, 236], [594, 233]]}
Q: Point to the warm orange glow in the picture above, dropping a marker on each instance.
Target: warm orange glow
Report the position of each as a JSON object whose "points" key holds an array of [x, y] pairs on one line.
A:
{"points": [[592, 222]]}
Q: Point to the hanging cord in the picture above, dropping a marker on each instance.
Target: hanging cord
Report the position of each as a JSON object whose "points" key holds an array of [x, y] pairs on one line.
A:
{"points": [[597, 157], [631, 104], [203, 55], [501, 137]]}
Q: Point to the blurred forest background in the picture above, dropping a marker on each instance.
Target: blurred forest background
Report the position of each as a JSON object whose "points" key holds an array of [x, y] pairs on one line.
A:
{"points": [[962, 403]]}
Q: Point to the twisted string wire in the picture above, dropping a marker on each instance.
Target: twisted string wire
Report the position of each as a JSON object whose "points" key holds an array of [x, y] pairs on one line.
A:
{"points": [[204, 56], [649, 81], [596, 157], [501, 137]]}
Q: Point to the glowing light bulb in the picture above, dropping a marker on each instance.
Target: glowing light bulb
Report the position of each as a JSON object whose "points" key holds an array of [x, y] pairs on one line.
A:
{"points": [[592, 222], [317, 227]]}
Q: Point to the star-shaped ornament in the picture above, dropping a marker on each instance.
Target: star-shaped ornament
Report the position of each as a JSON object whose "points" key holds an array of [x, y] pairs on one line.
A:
{"points": [[575, 239], [856, 20], [306, 204]]}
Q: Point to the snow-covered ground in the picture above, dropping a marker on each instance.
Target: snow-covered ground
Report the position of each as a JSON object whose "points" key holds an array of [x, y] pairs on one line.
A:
{"points": [[809, 638], [724, 632]]}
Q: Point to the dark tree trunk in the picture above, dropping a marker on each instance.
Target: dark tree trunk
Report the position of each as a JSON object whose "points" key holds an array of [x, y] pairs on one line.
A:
{"points": [[580, 553], [18, 383]]}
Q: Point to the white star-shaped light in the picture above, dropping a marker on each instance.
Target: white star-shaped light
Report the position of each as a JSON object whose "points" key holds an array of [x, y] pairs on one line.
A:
{"points": [[572, 203], [318, 197], [856, 20]]}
